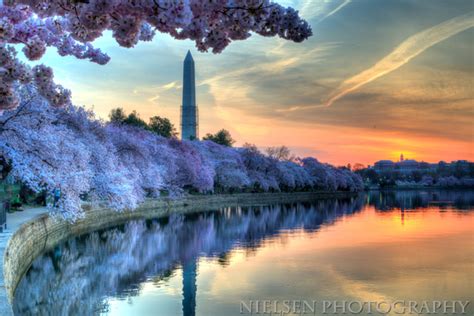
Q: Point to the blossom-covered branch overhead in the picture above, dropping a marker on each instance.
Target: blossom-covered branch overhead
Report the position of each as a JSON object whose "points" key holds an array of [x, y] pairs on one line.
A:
{"points": [[71, 26]]}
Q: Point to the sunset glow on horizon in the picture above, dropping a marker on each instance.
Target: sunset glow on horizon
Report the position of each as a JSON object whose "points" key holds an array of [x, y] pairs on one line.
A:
{"points": [[376, 79]]}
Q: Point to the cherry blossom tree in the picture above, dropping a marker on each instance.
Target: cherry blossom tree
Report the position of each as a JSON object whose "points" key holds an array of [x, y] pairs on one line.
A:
{"points": [[261, 169], [193, 170], [109, 183], [229, 170], [71, 25], [292, 176], [450, 181], [320, 175], [327, 177], [45, 155]]}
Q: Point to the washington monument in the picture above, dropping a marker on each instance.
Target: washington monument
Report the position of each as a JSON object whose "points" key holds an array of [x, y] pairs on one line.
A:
{"points": [[189, 110]]}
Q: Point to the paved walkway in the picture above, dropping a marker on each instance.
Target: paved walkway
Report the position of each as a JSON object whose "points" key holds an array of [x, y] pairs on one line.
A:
{"points": [[14, 220]]}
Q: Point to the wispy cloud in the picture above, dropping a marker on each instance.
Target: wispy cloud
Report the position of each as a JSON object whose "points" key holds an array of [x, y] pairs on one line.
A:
{"points": [[309, 9], [406, 51], [321, 9], [284, 60], [157, 91], [335, 10], [234, 88], [154, 98], [171, 85]]}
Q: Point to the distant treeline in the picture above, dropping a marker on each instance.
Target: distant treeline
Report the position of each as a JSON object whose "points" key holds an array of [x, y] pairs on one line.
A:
{"points": [[458, 174]]}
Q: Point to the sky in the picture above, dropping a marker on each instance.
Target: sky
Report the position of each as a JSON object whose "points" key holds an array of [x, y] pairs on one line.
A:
{"points": [[377, 79]]}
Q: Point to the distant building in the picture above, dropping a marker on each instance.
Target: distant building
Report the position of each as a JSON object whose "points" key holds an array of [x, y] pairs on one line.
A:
{"points": [[384, 166], [189, 109], [408, 166], [461, 164]]}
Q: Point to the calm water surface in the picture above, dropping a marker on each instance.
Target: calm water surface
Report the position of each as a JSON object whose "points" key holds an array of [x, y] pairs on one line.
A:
{"points": [[410, 246]]}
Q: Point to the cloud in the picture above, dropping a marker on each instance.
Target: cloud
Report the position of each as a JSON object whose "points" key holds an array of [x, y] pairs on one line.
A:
{"points": [[171, 85], [323, 9], [256, 78], [154, 98], [285, 59], [335, 10], [157, 92], [409, 49]]}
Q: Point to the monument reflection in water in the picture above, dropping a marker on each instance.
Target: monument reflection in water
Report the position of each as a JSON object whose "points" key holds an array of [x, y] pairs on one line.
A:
{"points": [[347, 249]]}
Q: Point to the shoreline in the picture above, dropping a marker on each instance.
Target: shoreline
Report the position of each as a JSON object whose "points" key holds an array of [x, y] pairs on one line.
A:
{"points": [[415, 188], [41, 233]]}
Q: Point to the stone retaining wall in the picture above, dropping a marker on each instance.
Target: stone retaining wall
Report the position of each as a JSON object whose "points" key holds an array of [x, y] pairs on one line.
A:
{"points": [[43, 233]]}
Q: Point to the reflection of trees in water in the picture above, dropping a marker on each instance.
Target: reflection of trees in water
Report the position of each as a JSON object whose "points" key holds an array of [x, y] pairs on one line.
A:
{"points": [[75, 277], [408, 200]]}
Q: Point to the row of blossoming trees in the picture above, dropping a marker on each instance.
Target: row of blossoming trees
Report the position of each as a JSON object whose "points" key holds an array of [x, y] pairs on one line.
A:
{"points": [[46, 142], [46, 147]]}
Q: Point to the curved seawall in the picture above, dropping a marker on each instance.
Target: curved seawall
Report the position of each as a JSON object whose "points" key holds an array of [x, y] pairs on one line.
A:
{"points": [[44, 232]]}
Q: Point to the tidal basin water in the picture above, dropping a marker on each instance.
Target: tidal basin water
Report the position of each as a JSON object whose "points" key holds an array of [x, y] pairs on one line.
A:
{"points": [[379, 247]]}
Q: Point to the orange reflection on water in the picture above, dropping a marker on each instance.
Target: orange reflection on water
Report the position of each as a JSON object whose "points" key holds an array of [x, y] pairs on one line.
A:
{"points": [[418, 255]]}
